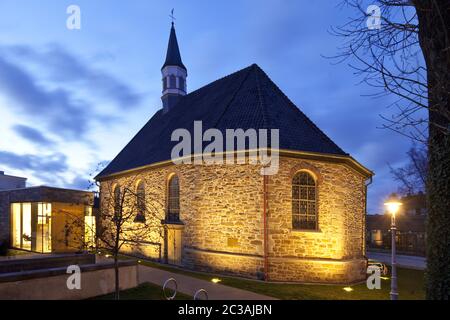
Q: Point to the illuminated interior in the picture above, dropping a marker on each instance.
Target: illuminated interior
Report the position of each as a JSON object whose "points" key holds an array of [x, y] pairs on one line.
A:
{"points": [[16, 225], [44, 232], [31, 226], [26, 226], [89, 228]]}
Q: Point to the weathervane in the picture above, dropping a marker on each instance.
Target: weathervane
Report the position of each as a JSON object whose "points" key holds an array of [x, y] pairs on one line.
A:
{"points": [[172, 16]]}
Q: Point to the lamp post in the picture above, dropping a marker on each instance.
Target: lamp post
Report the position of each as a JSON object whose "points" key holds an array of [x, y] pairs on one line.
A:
{"points": [[393, 204]]}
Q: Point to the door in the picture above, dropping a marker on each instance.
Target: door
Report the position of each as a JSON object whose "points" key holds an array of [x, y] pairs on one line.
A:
{"points": [[174, 246]]}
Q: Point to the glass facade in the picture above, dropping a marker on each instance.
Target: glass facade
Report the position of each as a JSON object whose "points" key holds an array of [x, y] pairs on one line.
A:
{"points": [[52, 226], [89, 228], [31, 226], [44, 228], [21, 225]]}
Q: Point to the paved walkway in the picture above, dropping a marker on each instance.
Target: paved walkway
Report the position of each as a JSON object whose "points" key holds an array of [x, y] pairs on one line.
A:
{"points": [[412, 262], [189, 285]]}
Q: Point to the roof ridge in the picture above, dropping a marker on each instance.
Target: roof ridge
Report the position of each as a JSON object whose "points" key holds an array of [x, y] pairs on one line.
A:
{"points": [[260, 98], [292, 105], [245, 98], [215, 81]]}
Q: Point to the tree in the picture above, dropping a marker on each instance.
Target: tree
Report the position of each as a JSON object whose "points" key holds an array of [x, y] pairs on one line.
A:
{"points": [[407, 55], [413, 175], [128, 214]]}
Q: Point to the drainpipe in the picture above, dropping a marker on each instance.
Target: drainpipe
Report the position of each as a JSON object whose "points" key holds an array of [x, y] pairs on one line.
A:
{"points": [[366, 185], [266, 258]]}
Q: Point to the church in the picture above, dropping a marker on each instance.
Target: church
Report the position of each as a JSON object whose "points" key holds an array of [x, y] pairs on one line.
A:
{"points": [[304, 223]]}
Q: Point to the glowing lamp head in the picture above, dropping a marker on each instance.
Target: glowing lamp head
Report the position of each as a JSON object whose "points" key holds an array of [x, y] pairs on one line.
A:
{"points": [[215, 280], [393, 205]]}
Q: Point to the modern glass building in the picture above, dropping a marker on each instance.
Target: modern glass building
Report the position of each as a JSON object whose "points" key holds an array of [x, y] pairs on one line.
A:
{"points": [[46, 220]]}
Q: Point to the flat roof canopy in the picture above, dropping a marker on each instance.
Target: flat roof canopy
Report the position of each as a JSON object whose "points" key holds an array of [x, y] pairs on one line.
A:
{"points": [[49, 194]]}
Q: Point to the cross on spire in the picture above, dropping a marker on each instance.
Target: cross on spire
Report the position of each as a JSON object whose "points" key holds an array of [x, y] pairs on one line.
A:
{"points": [[172, 16]]}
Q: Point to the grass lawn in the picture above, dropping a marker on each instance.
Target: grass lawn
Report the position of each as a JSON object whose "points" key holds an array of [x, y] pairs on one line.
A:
{"points": [[145, 291], [410, 283], [13, 252]]}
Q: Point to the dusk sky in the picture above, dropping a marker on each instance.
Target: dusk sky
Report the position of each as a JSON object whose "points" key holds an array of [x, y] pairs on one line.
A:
{"points": [[70, 99]]}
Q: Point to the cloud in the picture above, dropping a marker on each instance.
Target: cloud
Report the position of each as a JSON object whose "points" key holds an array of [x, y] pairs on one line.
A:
{"points": [[64, 67], [63, 114], [50, 164], [54, 91], [61, 89], [45, 169], [32, 135], [80, 183]]}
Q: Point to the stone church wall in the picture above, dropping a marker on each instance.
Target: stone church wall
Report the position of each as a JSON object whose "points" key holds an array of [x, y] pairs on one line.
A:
{"points": [[222, 209], [336, 248]]}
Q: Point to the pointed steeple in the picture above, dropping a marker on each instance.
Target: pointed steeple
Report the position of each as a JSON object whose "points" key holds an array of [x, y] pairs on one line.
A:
{"points": [[173, 56], [174, 74]]}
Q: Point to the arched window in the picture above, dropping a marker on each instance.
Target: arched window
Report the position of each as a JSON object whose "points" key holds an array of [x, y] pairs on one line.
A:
{"points": [[140, 202], [173, 201], [304, 202], [172, 82], [181, 84], [117, 202]]}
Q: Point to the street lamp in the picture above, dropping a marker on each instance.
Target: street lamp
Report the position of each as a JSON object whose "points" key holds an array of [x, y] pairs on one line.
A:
{"points": [[392, 205]]}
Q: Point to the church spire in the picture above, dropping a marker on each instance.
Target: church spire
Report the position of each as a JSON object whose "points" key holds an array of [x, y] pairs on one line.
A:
{"points": [[173, 56], [174, 74]]}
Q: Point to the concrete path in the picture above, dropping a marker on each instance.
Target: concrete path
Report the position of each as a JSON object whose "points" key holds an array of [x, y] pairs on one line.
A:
{"points": [[189, 285], [411, 262]]}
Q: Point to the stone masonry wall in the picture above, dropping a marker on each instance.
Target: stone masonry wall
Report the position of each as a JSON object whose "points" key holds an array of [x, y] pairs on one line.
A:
{"points": [[337, 246], [4, 217], [222, 209]]}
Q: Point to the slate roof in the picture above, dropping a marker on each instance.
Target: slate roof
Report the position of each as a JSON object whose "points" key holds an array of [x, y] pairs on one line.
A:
{"points": [[245, 99], [173, 56]]}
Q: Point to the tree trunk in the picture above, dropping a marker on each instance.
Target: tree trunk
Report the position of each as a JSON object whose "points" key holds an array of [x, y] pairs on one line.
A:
{"points": [[434, 25], [438, 222], [116, 274]]}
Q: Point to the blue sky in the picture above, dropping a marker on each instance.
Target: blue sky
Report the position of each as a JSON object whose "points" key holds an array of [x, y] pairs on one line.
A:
{"points": [[70, 99]]}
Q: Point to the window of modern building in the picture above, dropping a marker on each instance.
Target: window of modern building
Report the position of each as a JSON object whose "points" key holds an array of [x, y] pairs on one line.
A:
{"points": [[89, 228], [31, 226]]}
